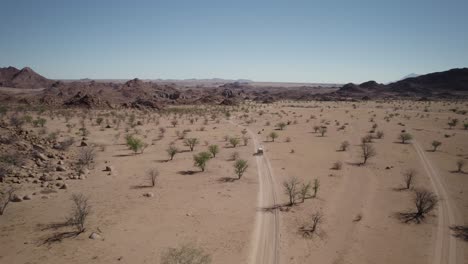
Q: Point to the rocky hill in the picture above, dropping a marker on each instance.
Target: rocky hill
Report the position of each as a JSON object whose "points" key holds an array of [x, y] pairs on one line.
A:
{"points": [[24, 78]]}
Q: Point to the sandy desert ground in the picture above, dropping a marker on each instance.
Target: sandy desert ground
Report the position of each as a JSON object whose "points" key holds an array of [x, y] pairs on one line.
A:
{"points": [[246, 220]]}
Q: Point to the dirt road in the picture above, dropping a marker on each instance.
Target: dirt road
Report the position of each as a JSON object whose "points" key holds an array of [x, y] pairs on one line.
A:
{"points": [[265, 245], [445, 246]]}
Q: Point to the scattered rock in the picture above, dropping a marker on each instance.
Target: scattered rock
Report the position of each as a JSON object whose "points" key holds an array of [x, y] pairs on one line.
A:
{"points": [[148, 194], [109, 168], [16, 198], [60, 162], [64, 186], [94, 236], [41, 156], [83, 144], [60, 168], [27, 197]]}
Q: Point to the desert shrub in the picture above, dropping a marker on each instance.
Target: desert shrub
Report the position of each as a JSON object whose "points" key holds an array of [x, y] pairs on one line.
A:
{"points": [[234, 156], [424, 201], [213, 149], [240, 166], [337, 165], [465, 126], [453, 123], [185, 255], [191, 143], [201, 159], [80, 212], [323, 130], [39, 122], [6, 196], [405, 137], [344, 145], [379, 134], [367, 138], [309, 230], [435, 145], [13, 158], [86, 156], [152, 175], [172, 151]]}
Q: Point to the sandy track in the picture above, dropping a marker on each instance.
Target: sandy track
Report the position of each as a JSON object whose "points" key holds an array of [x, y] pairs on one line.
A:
{"points": [[445, 247], [265, 245]]}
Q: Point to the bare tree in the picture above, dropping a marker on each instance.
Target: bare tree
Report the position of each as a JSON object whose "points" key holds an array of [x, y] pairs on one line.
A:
{"points": [[425, 201], [305, 191], [408, 178], [309, 230], [80, 212], [153, 176], [316, 187], [5, 198], [460, 164], [291, 189], [185, 254], [367, 151]]}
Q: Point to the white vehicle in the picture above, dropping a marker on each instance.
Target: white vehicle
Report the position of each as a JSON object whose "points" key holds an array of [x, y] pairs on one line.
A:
{"points": [[260, 150]]}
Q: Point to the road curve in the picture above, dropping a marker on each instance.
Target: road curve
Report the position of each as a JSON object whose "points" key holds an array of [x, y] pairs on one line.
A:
{"points": [[265, 241], [445, 247]]}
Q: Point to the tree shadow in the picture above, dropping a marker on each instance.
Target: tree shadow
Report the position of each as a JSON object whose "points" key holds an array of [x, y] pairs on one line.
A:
{"points": [[270, 209], [357, 164], [162, 160], [400, 189], [187, 172], [227, 179], [460, 232], [410, 217], [123, 155], [57, 236], [456, 171], [140, 187]]}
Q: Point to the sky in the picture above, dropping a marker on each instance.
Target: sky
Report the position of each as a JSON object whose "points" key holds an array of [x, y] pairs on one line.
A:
{"points": [[291, 41]]}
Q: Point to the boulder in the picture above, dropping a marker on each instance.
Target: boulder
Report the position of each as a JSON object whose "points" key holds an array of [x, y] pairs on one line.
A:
{"points": [[94, 236]]}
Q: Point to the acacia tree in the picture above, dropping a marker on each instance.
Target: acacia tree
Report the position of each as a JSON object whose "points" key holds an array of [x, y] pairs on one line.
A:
{"points": [[281, 125], [273, 135], [435, 145], [191, 143], [291, 189], [213, 149], [405, 137], [172, 151], [201, 159], [240, 166], [425, 201], [367, 152], [234, 141], [453, 123]]}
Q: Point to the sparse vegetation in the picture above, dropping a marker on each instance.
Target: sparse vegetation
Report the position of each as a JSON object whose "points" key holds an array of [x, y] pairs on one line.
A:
{"points": [[172, 151], [185, 254], [344, 145], [201, 159], [152, 175], [191, 143], [435, 145], [405, 137], [213, 149], [81, 211]]}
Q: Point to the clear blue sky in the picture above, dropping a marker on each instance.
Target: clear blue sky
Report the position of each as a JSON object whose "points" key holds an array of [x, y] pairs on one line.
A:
{"points": [[302, 41]]}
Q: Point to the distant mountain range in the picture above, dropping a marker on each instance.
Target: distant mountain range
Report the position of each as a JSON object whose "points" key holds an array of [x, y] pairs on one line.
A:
{"points": [[24, 78]]}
